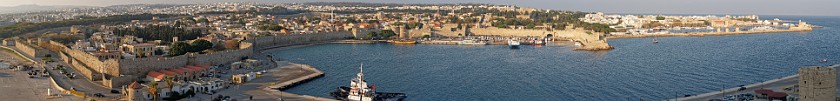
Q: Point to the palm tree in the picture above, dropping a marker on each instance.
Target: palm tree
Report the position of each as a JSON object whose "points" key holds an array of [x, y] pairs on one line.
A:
{"points": [[152, 88], [169, 82]]}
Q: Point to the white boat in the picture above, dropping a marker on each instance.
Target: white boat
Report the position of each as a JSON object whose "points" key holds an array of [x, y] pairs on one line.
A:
{"points": [[360, 91], [471, 42], [513, 43]]}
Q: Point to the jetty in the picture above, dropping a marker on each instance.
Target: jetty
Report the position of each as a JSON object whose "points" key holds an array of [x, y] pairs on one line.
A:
{"points": [[701, 34]]}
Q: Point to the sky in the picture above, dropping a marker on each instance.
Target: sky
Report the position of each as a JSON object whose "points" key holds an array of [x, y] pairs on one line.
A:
{"points": [[735, 7]]}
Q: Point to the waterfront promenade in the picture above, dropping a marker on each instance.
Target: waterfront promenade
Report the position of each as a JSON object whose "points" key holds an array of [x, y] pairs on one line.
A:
{"points": [[777, 85]]}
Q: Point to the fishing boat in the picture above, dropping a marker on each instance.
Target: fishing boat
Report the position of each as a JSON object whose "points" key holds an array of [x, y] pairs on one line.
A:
{"points": [[824, 60], [513, 44], [538, 43], [405, 42], [471, 42], [360, 91], [654, 41]]}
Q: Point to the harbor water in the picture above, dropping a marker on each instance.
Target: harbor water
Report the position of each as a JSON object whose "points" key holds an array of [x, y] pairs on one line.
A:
{"points": [[635, 69]]}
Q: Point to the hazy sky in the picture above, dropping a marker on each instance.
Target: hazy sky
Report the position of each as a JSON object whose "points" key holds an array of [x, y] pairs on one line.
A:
{"points": [[760, 7]]}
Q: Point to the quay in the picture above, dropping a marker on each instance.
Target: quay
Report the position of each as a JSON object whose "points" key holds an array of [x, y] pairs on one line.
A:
{"points": [[267, 87], [283, 85]]}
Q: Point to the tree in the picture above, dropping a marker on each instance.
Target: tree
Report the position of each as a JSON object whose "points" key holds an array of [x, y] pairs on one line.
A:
{"points": [[204, 20], [372, 35], [178, 48], [152, 88], [169, 82], [427, 36], [660, 18], [158, 52], [386, 33], [200, 45]]}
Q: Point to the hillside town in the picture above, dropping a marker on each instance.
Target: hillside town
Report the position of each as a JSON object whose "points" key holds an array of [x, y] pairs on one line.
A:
{"points": [[201, 51]]}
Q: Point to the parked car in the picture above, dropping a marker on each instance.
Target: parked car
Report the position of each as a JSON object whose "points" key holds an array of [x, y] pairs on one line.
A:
{"points": [[742, 88], [747, 96], [729, 98], [715, 100], [99, 95], [115, 91]]}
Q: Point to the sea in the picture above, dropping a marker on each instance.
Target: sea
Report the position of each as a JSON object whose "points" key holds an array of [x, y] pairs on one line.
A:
{"points": [[635, 69]]}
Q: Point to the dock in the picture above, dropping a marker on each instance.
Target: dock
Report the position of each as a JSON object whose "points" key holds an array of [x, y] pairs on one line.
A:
{"points": [[267, 87], [283, 85]]}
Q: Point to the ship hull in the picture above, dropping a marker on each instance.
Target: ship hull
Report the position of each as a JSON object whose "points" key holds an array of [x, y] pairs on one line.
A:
{"points": [[342, 92]]}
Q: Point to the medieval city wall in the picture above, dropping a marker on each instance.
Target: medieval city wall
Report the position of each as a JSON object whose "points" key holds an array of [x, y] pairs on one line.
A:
{"points": [[29, 49], [296, 39]]}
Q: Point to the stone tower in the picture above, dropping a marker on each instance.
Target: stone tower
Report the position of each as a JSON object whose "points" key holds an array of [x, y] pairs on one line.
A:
{"points": [[133, 92], [402, 32], [817, 83]]}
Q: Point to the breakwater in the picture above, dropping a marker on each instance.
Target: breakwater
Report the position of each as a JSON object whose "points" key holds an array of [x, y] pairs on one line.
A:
{"points": [[701, 34]]}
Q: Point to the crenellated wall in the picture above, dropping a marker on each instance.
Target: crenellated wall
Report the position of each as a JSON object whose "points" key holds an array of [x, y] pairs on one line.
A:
{"points": [[29, 49], [117, 72], [296, 39]]}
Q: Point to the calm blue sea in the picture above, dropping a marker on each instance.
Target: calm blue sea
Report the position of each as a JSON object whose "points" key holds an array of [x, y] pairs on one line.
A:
{"points": [[635, 69]]}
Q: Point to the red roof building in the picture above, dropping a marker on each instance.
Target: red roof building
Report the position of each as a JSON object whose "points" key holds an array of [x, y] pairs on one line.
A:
{"points": [[156, 75]]}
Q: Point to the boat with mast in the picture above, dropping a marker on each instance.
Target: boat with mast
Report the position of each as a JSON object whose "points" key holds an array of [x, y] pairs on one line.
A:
{"points": [[360, 91]]}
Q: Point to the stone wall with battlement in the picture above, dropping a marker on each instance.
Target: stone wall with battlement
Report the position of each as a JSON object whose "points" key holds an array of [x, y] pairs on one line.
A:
{"points": [[296, 39], [117, 72], [30, 49]]}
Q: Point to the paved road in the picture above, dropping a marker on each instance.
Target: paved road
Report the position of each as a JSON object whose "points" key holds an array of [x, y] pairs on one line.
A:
{"points": [[80, 83], [17, 86]]}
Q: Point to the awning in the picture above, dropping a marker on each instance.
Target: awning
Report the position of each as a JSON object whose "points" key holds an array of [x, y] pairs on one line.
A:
{"points": [[764, 91], [777, 95]]}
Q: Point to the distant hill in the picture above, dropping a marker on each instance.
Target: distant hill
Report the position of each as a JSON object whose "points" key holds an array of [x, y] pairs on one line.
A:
{"points": [[36, 8]]}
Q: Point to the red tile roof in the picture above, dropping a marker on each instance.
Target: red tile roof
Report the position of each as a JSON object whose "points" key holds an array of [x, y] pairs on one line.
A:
{"points": [[177, 70], [134, 85], [167, 72], [192, 68], [157, 75], [203, 66]]}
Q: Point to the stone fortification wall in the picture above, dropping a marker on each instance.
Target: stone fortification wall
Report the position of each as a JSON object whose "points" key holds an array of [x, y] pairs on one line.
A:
{"points": [[141, 66], [295, 39], [81, 68], [493, 31], [225, 56], [117, 72], [29, 49], [85, 64]]}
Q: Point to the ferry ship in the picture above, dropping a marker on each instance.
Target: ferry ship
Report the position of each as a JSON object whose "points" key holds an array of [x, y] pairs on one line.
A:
{"points": [[360, 91], [513, 44], [471, 42]]}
